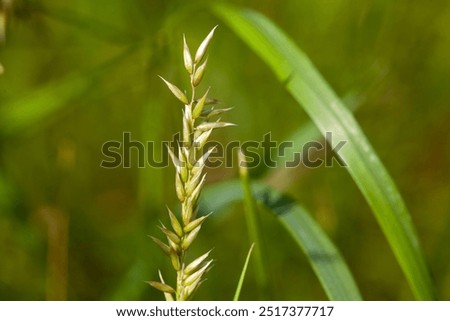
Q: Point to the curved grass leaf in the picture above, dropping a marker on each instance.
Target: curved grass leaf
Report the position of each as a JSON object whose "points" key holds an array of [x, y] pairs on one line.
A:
{"points": [[308, 132], [326, 261], [303, 81]]}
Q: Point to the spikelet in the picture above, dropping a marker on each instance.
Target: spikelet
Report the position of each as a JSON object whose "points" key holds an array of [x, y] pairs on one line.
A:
{"points": [[189, 179]]}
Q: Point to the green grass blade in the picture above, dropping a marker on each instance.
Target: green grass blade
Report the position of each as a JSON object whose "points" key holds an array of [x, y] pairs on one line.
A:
{"points": [[242, 277], [327, 111], [324, 257]]}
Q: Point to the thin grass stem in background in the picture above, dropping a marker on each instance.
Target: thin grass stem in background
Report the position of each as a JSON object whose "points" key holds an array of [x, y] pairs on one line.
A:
{"points": [[253, 229], [244, 271]]}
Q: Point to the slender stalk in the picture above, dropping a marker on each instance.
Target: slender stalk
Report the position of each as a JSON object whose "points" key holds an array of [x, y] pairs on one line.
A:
{"points": [[253, 229], [242, 277]]}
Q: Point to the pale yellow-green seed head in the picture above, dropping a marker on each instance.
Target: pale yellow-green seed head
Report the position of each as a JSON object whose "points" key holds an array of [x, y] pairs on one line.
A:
{"points": [[190, 162], [194, 265], [198, 75], [187, 56], [176, 91], [203, 46]]}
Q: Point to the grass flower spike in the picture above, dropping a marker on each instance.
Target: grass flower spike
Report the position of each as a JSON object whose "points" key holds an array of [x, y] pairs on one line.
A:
{"points": [[189, 179]]}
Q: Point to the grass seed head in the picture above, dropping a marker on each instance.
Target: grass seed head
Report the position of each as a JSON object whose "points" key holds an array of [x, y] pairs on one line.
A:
{"points": [[197, 127], [204, 46], [193, 224], [187, 56], [194, 265], [198, 76]]}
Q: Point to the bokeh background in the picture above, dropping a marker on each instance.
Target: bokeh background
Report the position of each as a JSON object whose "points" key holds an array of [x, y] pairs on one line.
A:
{"points": [[76, 74]]}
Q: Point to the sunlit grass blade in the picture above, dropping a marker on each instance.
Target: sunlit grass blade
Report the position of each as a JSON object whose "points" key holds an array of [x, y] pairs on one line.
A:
{"points": [[307, 133], [304, 82], [242, 277], [303, 135], [324, 257], [328, 264]]}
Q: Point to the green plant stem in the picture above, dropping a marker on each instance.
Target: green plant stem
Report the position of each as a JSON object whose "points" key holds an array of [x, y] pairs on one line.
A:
{"points": [[253, 229], [189, 180], [324, 257]]}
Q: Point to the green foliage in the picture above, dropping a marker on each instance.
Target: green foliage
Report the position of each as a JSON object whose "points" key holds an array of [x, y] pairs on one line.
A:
{"points": [[244, 271], [307, 86]]}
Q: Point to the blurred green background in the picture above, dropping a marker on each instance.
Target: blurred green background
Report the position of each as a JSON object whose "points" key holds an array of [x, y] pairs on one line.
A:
{"points": [[77, 74]]}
